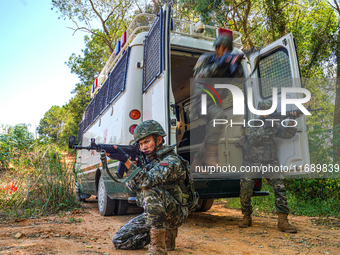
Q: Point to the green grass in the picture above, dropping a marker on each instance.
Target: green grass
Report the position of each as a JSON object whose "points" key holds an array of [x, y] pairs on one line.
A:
{"points": [[39, 183], [306, 206]]}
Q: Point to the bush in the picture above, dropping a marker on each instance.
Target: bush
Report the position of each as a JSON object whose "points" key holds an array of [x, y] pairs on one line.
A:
{"points": [[13, 142], [298, 202], [39, 182]]}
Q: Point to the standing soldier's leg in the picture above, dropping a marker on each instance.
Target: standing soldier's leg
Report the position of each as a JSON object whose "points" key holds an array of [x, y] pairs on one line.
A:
{"points": [[281, 204], [133, 235], [246, 192], [279, 188]]}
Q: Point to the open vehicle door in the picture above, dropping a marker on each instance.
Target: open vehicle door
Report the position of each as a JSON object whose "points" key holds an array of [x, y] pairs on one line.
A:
{"points": [[277, 66], [157, 92]]}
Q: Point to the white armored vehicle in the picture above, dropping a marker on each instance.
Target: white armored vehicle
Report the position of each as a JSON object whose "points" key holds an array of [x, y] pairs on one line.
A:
{"points": [[148, 77]]}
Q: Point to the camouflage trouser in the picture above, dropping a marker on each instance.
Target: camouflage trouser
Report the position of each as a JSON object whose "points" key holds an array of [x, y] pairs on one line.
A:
{"points": [[212, 134], [277, 183], [161, 210]]}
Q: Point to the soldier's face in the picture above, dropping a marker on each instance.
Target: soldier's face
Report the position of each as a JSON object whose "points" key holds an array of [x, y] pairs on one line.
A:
{"points": [[147, 145]]}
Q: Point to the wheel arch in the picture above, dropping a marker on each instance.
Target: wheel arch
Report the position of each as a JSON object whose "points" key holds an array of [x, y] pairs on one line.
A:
{"points": [[98, 174]]}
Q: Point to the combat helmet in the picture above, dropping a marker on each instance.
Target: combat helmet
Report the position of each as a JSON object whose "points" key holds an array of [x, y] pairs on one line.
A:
{"points": [[224, 40], [265, 104], [146, 128]]}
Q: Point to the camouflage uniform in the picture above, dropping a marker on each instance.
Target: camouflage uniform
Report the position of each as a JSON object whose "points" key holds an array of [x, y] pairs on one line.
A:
{"points": [[258, 150], [208, 66], [160, 191]]}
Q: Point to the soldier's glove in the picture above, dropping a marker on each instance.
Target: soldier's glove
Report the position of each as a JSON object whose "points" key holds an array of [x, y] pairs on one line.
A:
{"points": [[118, 154]]}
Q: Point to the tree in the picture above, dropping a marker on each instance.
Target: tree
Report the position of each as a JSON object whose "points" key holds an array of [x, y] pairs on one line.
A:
{"points": [[110, 15], [75, 109], [336, 44], [14, 140], [51, 124], [88, 66], [276, 17]]}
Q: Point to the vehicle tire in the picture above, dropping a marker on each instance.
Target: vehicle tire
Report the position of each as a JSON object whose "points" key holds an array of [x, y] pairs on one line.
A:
{"points": [[122, 207], [106, 205], [205, 204]]}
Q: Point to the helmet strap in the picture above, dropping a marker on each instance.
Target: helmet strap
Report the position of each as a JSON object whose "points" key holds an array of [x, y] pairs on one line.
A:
{"points": [[157, 146]]}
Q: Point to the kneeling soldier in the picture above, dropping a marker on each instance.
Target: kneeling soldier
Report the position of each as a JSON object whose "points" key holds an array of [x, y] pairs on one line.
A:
{"points": [[164, 189]]}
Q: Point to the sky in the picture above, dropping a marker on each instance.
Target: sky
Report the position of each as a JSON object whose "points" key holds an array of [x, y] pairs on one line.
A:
{"points": [[34, 46]]}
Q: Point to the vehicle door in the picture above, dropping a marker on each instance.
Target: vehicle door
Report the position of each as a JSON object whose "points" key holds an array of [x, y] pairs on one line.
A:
{"points": [[157, 92], [277, 66]]}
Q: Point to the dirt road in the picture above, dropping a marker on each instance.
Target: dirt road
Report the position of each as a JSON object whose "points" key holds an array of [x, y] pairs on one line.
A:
{"points": [[213, 232]]}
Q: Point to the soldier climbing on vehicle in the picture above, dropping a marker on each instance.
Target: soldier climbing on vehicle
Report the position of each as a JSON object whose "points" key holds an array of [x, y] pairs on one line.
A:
{"points": [[220, 64]]}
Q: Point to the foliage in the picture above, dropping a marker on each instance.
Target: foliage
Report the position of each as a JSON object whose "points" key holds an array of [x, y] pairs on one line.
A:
{"points": [[59, 123], [51, 124], [14, 140], [336, 49], [74, 112], [110, 15], [40, 182], [88, 66], [300, 202]]}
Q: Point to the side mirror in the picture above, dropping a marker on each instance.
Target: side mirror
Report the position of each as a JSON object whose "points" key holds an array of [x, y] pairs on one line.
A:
{"points": [[71, 142]]}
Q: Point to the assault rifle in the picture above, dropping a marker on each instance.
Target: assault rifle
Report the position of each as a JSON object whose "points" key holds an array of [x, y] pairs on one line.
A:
{"points": [[294, 114], [132, 150]]}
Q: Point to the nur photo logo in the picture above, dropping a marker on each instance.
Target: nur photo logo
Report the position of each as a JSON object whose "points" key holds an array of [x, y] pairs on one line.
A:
{"points": [[238, 99]]}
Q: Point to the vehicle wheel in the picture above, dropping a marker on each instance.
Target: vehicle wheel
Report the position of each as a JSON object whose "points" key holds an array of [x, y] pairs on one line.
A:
{"points": [[106, 205], [122, 207], [205, 204]]}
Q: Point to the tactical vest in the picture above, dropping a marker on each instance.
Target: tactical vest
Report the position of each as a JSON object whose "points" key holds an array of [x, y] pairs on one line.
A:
{"points": [[182, 191], [265, 151]]}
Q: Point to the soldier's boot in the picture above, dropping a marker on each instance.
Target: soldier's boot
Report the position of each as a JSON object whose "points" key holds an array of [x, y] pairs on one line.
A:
{"points": [[246, 222], [211, 155], [170, 238], [283, 224], [157, 244]]}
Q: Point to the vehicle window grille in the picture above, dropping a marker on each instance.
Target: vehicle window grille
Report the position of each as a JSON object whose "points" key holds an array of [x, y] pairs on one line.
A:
{"points": [[96, 110], [274, 69], [101, 102], [117, 78], [153, 60], [80, 131], [109, 91], [89, 113]]}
